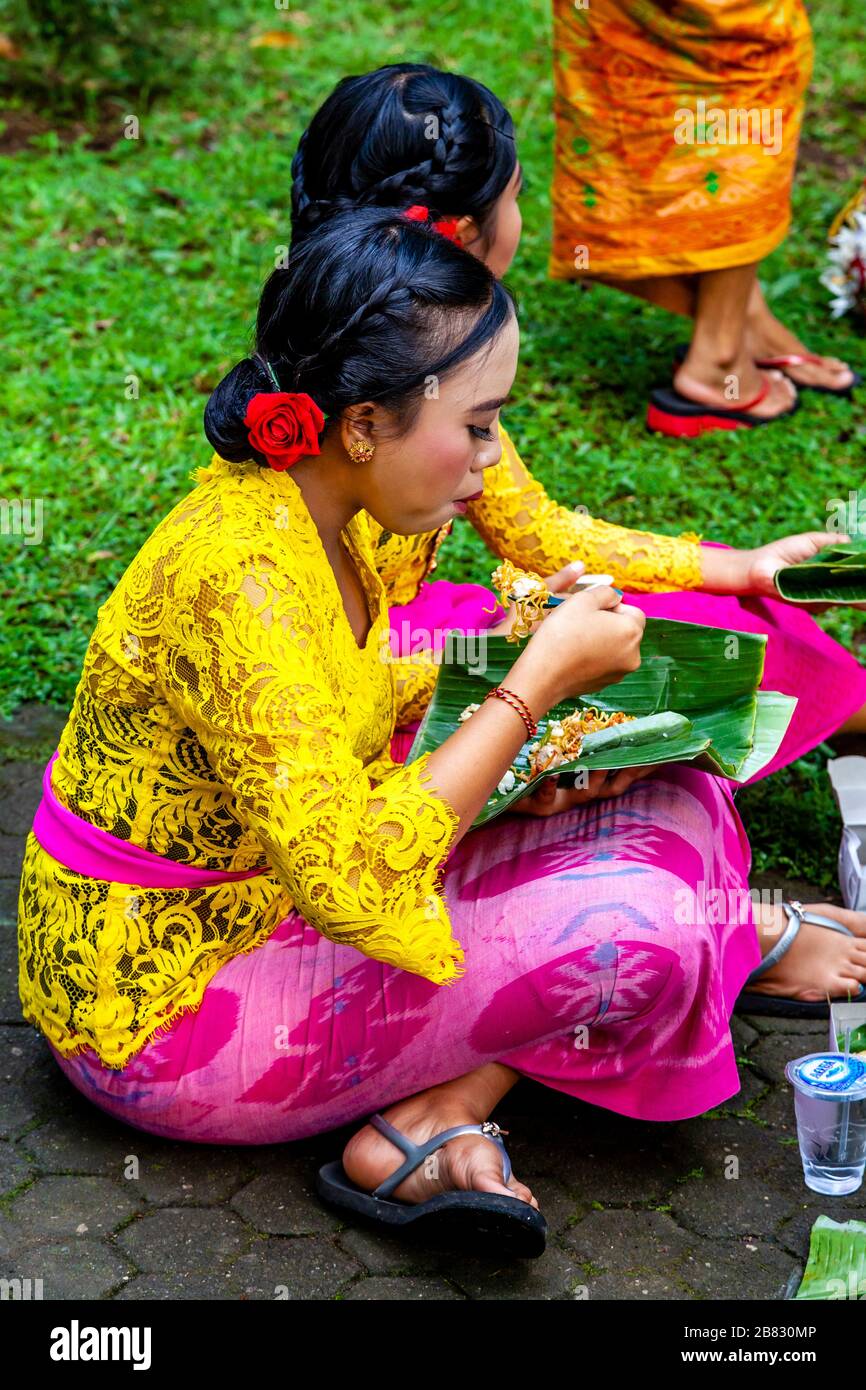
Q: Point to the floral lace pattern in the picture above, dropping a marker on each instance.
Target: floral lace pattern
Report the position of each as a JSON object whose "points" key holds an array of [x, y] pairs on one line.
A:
{"points": [[226, 717]]}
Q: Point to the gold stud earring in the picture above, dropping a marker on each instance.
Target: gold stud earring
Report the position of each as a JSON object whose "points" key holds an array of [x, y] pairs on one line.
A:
{"points": [[360, 451]]}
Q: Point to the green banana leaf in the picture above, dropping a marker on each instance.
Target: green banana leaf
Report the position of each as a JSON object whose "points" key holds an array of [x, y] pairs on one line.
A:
{"points": [[694, 698], [836, 1267], [837, 575]]}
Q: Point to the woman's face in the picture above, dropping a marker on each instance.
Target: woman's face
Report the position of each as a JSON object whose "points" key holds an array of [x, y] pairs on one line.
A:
{"points": [[420, 480], [499, 248]]}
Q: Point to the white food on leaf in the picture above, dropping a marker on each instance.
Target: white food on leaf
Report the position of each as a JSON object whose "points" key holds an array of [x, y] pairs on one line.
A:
{"points": [[522, 588], [508, 782]]}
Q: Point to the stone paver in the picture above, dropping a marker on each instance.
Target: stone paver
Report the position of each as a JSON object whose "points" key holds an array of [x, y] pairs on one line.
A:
{"points": [[283, 1204], [411, 1287], [709, 1208]]}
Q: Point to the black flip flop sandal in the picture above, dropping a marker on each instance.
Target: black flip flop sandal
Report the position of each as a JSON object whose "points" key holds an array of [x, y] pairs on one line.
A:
{"points": [[480, 1222], [670, 413], [791, 360], [749, 1002]]}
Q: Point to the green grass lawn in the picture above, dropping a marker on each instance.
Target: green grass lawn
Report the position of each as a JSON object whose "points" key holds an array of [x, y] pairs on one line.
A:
{"points": [[142, 259]]}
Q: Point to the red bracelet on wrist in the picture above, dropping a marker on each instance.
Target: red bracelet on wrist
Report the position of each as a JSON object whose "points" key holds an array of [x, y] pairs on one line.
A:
{"points": [[499, 692]]}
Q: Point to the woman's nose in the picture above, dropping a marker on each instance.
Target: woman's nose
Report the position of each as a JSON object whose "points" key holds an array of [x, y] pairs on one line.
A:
{"points": [[492, 456]]}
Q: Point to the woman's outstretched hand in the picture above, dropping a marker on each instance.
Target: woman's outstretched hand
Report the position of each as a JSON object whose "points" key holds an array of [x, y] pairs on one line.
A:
{"points": [[790, 550], [751, 571]]}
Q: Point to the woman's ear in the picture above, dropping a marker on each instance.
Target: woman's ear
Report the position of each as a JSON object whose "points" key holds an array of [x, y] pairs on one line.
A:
{"points": [[469, 234], [358, 424]]}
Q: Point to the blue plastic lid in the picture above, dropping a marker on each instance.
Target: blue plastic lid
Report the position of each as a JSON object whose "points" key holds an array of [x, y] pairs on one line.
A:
{"points": [[830, 1074]]}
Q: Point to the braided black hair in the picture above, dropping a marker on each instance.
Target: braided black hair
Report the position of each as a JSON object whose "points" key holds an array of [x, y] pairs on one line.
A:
{"points": [[370, 308], [404, 134]]}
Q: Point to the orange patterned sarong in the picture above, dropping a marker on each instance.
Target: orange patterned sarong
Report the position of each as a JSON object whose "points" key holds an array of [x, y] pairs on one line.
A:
{"points": [[676, 133]]}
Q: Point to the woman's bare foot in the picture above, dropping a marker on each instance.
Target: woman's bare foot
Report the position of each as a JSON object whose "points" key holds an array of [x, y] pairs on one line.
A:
{"points": [[820, 962], [766, 337], [468, 1162], [731, 385]]}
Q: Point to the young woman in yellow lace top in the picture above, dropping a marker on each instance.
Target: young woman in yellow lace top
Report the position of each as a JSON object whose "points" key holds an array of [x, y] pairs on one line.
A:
{"points": [[237, 913], [410, 134]]}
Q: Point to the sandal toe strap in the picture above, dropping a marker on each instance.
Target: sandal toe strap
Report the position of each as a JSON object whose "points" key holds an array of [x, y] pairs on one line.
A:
{"points": [[796, 914], [416, 1153], [786, 940], [819, 920]]}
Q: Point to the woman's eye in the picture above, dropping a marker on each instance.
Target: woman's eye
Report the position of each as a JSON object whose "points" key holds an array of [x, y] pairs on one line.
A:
{"points": [[480, 432]]}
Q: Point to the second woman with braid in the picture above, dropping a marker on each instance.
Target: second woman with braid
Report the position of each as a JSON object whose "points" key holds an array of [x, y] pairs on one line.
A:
{"points": [[408, 135]]}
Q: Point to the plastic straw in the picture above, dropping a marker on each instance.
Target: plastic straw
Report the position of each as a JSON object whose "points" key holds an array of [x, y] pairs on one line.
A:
{"points": [[846, 1104]]}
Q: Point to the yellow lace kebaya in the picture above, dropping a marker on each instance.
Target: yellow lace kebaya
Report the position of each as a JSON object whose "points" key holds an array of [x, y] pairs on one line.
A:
{"points": [[226, 718], [519, 522]]}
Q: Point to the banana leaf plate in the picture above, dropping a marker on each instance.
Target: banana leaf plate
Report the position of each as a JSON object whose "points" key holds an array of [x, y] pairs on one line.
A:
{"points": [[837, 575], [695, 699], [836, 1267]]}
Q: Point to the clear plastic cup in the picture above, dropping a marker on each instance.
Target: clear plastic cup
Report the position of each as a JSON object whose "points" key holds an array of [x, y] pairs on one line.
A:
{"points": [[830, 1105]]}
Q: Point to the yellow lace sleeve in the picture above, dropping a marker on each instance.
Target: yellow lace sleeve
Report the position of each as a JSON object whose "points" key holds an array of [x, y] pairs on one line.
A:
{"points": [[519, 522], [362, 864]]}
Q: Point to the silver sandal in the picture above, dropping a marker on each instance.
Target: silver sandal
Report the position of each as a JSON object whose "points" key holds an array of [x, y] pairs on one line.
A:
{"points": [[751, 1002], [482, 1222]]}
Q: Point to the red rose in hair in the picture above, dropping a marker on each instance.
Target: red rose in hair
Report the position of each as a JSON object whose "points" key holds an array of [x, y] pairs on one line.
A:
{"points": [[284, 426], [447, 227]]}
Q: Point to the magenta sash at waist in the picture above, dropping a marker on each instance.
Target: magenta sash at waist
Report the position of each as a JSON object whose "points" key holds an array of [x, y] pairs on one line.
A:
{"points": [[85, 849]]}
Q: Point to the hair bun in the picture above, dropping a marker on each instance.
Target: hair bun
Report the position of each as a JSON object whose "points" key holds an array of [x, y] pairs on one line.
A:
{"points": [[225, 411]]}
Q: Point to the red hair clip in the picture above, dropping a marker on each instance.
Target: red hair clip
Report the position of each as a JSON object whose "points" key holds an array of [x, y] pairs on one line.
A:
{"points": [[447, 227]]}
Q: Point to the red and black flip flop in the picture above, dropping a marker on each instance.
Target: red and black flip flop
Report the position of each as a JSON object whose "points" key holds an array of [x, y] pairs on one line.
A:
{"points": [[791, 360], [670, 413]]}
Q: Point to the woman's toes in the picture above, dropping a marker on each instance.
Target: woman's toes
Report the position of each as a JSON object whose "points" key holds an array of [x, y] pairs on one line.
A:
{"points": [[849, 971], [474, 1163], [846, 984], [520, 1190]]}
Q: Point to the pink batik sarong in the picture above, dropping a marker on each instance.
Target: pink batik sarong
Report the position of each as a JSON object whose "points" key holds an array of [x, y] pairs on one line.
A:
{"points": [[591, 967]]}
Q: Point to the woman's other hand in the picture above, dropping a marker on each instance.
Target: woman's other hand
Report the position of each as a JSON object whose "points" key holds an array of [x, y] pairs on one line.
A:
{"points": [[727, 571], [790, 550], [548, 798]]}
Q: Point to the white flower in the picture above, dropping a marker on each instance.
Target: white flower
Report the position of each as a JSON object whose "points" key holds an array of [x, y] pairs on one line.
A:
{"points": [[507, 783], [467, 713], [844, 276]]}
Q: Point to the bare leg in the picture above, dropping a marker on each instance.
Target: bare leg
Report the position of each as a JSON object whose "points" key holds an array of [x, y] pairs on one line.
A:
{"points": [[467, 1162], [718, 369], [676, 293], [767, 337], [820, 962], [856, 724]]}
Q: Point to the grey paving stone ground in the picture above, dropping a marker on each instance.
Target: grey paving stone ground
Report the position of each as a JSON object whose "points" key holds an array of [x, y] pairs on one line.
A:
{"points": [[711, 1208]]}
